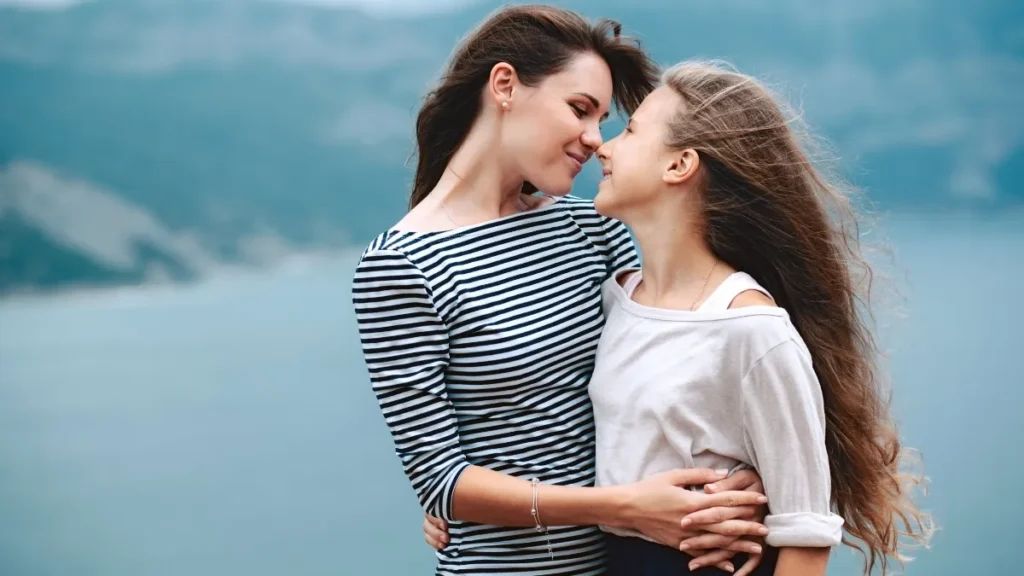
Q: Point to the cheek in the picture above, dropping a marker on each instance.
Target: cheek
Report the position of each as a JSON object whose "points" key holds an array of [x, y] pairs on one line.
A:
{"points": [[633, 179]]}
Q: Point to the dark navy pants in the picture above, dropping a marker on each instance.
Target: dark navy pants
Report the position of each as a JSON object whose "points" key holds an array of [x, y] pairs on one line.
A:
{"points": [[638, 557]]}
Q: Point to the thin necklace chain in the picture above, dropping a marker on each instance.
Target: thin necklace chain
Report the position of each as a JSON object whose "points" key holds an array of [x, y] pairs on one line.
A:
{"points": [[703, 286], [449, 214]]}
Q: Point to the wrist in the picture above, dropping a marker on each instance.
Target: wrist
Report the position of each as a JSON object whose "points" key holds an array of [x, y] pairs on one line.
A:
{"points": [[618, 506]]}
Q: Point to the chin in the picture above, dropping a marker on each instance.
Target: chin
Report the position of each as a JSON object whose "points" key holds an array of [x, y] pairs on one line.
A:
{"points": [[554, 188], [604, 205]]}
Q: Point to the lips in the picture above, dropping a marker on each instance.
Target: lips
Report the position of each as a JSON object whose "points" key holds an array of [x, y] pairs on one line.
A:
{"points": [[578, 160]]}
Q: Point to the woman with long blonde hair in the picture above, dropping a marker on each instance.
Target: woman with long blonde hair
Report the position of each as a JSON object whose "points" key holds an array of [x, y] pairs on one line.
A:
{"points": [[743, 341]]}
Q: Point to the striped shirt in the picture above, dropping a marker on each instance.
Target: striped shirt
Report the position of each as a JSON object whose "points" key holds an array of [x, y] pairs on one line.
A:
{"points": [[480, 343]]}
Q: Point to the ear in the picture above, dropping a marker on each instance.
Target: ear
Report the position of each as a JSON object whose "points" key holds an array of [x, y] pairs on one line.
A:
{"points": [[683, 167], [501, 84]]}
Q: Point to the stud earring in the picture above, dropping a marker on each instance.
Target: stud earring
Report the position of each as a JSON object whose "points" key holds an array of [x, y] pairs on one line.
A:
{"points": [[504, 105]]}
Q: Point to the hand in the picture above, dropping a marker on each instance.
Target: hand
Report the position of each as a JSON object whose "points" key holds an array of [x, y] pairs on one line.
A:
{"points": [[722, 559], [747, 480], [714, 546], [435, 532], [728, 521], [657, 505]]}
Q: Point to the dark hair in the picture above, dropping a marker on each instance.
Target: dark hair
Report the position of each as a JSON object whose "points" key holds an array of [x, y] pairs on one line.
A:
{"points": [[770, 212], [537, 41]]}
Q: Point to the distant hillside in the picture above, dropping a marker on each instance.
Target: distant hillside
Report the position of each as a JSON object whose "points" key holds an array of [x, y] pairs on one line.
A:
{"points": [[224, 121]]}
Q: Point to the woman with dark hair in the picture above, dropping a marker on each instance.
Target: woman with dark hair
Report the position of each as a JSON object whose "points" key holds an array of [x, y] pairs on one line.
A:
{"points": [[480, 311]]}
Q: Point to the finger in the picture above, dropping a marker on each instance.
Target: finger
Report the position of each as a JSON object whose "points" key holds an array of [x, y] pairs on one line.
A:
{"points": [[745, 546], [441, 524], [746, 480], [433, 543], [737, 481], [718, 514], [706, 542], [434, 533], [695, 476], [750, 565], [730, 499], [718, 558], [723, 563], [737, 528]]}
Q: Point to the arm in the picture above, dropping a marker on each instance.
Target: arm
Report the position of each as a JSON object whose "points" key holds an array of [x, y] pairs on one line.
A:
{"points": [[784, 426], [802, 561], [405, 346]]}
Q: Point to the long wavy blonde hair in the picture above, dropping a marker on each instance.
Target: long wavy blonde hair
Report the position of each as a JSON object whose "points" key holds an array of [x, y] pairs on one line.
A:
{"points": [[771, 212]]}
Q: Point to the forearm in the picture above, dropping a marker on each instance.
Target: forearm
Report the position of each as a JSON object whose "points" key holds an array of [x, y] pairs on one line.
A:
{"points": [[488, 497], [802, 561]]}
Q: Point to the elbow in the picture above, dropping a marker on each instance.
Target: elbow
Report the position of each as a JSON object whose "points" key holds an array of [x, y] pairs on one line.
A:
{"points": [[437, 492], [804, 530]]}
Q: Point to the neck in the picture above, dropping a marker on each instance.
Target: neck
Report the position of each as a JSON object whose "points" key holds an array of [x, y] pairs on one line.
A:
{"points": [[476, 185], [676, 259]]}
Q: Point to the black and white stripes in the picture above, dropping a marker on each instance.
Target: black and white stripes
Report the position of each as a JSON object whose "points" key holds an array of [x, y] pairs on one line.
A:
{"points": [[480, 342]]}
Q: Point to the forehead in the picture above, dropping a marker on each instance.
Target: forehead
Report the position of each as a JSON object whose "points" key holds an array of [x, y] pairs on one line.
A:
{"points": [[586, 73], [659, 106]]}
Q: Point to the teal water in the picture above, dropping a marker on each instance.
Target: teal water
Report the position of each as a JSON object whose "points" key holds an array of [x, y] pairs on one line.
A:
{"points": [[229, 429]]}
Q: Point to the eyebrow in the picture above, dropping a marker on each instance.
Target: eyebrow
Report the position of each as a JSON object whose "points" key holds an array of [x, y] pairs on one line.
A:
{"points": [[594, 102]]}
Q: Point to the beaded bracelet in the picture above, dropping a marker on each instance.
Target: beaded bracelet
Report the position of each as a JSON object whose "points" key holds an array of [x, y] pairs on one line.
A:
{"points": [[535, 511]]}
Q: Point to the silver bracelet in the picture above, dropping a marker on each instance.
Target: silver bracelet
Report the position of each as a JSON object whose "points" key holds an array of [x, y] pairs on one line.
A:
{"points": [[535, 511]]}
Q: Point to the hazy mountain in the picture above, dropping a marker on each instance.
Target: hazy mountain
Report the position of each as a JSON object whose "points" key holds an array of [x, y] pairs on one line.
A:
{"points": [[208, 127]]}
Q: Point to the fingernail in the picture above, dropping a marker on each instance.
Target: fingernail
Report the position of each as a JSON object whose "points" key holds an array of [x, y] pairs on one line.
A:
{"points": [[694, 566], [722, 472], [729, 567], [684, 547], [686, 522], [763, 531], [755, 549], [762, 499], [712, 487]]}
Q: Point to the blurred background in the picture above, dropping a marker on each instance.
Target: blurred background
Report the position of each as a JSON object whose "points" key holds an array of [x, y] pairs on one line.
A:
{"points": [[185, 186]]}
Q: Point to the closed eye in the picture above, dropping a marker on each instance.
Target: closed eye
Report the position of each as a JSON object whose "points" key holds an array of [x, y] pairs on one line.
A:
{"points": [[579, 110]]}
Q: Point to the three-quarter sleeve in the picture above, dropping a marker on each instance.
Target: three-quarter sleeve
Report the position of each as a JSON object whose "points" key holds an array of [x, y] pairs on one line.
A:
{"points": [[784, 428], [405, 346]]}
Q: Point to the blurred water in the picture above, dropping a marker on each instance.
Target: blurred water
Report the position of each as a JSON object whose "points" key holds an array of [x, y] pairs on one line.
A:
{"points": [[229, 428]]}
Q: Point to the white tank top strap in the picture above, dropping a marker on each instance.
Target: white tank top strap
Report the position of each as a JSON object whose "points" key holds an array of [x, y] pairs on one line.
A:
{"points": [[631, 283], [733, 285]]}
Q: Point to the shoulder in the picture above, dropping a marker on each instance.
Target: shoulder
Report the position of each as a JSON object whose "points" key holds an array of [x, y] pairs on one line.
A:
{"points": [[584, 212], [384, 260], [602, 231], [751, 297], [760, 327]]}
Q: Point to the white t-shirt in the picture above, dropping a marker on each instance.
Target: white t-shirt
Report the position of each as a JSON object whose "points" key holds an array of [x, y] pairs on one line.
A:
{"points": [[714, 388]]}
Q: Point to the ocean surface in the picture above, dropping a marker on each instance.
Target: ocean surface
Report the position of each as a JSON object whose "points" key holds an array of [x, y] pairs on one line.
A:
{"points": [[229, 429]]}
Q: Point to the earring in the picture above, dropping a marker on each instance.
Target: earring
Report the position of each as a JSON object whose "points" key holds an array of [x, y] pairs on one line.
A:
{"points": [[504, 105]]}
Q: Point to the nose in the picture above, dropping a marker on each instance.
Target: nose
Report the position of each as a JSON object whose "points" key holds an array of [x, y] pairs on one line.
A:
{"points": [[591, 137], [603, 153]]}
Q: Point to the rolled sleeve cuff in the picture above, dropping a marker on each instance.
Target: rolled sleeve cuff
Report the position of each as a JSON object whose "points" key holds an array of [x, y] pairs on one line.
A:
{"points": [[804, 529], [442, 508]]}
